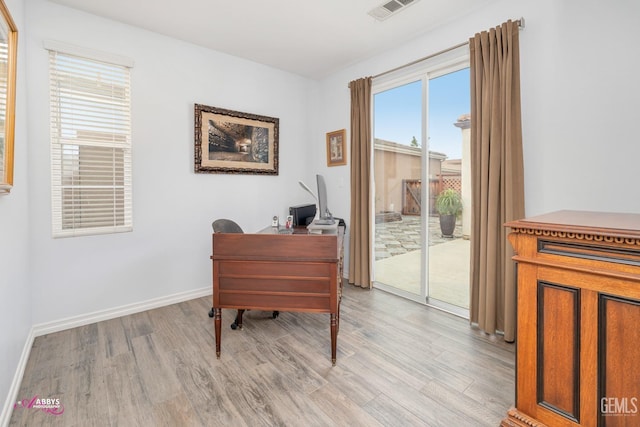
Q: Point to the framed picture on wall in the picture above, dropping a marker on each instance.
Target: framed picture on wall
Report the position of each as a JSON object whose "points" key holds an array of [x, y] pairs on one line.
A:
{"points": [[336, 149], [233, 142], [8, 53]]}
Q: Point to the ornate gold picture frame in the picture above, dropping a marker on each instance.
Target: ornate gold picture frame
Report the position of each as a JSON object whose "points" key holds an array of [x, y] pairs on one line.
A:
{"points": [[8, 56], [233, 142]]}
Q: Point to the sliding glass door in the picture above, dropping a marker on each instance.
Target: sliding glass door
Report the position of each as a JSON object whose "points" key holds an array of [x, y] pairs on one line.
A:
{"points": [[420, 147], [398, 172]]}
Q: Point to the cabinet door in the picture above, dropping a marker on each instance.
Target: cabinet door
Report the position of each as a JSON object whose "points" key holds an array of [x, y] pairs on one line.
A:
{"points": [[566, 351], [558, 348], [619, 361]]}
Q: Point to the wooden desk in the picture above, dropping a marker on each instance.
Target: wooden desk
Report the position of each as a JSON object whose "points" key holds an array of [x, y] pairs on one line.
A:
{"points": [[286, 272], [578, 341]]}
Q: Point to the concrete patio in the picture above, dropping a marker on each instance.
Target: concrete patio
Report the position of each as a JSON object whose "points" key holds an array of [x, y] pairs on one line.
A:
{"points": [[398, 258]]}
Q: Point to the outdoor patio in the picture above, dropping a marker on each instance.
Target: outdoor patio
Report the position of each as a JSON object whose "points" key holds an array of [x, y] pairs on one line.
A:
{"points": [[399, 237], [398, 257]]}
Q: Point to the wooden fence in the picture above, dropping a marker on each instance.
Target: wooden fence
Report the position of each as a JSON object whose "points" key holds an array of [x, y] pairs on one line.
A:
{"points": [[412, 192]]}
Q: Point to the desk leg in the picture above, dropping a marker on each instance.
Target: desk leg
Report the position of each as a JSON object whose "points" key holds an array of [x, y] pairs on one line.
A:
{"points": [[217, 320], [334, 337]]}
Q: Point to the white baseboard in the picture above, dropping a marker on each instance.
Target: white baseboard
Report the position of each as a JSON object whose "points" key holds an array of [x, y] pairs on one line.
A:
{"points": [[98, 316], [81, 320], [12, 396]]}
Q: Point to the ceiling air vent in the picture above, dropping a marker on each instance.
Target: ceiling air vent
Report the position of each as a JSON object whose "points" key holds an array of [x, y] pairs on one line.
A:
{"points": [[389, 8]]}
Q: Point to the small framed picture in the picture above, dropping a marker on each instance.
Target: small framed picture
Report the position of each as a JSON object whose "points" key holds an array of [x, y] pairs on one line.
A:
{"points": [[336, 149]]}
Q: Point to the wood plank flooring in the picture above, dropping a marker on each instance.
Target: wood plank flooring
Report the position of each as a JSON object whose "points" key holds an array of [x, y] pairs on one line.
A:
{"points": [[399, 363]]}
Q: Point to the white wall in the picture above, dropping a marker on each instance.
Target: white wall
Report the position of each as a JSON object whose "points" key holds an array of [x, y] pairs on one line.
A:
{"points": [[579, 98], [580, 95], [15, 293], [168, 251]]}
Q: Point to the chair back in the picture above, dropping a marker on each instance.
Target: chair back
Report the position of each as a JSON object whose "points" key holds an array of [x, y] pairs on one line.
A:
{"points": [[226, 226]]}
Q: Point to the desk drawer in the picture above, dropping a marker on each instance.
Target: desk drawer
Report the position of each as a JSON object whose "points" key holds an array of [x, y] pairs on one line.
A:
{"points": [[271, 301], [274, 284], [275, 277], [274, 269]]}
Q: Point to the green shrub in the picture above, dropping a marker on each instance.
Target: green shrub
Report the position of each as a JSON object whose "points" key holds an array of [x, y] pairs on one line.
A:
{"points": [[449, 202]]}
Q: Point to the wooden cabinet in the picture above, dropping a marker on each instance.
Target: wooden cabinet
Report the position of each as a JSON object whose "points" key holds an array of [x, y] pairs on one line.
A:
{"points": [[578, 331]]}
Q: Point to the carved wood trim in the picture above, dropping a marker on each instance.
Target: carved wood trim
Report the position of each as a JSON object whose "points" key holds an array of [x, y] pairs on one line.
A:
{"points": [[589, 237], [516, 418], [629, 256]]}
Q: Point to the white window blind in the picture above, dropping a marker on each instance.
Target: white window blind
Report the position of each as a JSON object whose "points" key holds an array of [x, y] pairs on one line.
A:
{"points": [[90, 146]]}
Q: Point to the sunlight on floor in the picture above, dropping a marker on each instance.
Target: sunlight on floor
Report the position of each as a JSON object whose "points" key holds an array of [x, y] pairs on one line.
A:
{"points": [[448, 272], [398, 258]]}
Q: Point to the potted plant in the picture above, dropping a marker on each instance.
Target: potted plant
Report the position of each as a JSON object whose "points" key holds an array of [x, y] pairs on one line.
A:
{"points": [[448, 206]]}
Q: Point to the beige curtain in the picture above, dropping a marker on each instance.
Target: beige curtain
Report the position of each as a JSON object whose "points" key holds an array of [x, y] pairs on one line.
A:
{"points": [[497, 176], [360, 235]]}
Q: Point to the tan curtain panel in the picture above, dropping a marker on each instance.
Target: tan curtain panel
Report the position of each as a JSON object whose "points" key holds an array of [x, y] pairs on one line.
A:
{"points": [[497, 176], [360, 236]]}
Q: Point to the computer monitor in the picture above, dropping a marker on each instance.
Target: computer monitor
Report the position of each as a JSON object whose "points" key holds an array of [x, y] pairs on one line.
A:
{"points": [[324, 215]]}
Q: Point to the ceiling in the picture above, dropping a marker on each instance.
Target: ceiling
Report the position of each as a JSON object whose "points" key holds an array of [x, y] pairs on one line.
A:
{"points": [[312, 39]]}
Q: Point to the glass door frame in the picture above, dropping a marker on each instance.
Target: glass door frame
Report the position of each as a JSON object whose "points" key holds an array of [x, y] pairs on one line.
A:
{"points": [[448, 62]]}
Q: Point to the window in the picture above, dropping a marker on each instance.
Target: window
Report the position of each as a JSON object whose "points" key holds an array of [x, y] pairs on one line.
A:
{"points": [[90, 145]]}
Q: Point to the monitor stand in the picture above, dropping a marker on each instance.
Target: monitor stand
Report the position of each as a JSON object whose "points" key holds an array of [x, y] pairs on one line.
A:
{"points": [[317, 227], [328, 221]]}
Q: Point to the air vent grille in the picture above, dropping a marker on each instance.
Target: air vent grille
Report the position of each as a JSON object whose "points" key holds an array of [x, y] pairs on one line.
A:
{"points": [[392, 6], [389, 8]]}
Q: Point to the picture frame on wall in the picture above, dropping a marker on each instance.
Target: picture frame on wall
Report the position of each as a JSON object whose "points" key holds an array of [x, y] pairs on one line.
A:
{"points": [[234, 142], [8, 58], [336, 148]]}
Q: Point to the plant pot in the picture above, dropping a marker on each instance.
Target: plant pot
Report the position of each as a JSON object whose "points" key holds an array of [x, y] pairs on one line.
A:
{"points": [[447, 225]]}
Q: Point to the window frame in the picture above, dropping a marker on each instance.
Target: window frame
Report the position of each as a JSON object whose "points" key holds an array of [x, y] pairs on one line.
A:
{"points": [[98, 182]]}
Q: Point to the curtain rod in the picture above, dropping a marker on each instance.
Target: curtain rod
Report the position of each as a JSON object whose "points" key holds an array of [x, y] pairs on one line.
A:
{"points": [[520, 23]]}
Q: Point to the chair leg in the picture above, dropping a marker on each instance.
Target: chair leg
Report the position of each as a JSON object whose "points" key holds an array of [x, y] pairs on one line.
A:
{"points": [[237, 323]]}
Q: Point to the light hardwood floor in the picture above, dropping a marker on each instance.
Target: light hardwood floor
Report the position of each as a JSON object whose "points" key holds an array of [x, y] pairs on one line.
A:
{"points": [[399, 363]]}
